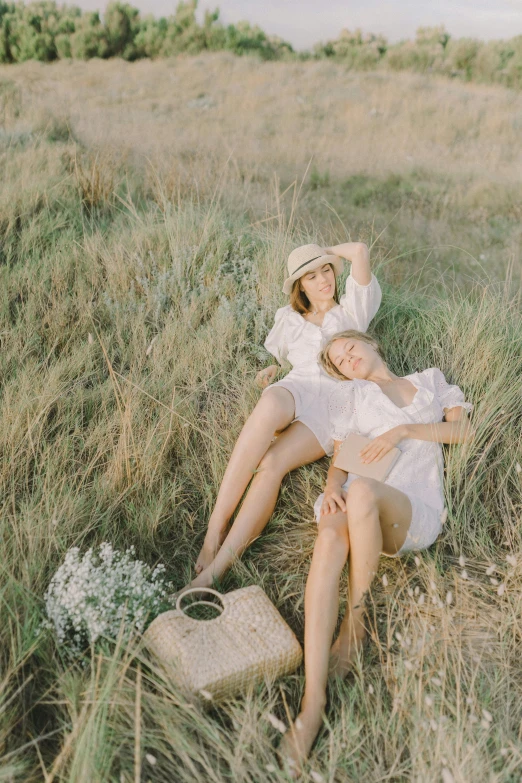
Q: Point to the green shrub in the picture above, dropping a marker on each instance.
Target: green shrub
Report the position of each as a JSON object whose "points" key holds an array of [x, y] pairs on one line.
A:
{"points": [[44, 31], [89, 38], [121, 22]]}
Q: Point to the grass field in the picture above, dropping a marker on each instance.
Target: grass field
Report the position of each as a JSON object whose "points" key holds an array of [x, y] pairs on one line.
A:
{"points": [[146, 212]]}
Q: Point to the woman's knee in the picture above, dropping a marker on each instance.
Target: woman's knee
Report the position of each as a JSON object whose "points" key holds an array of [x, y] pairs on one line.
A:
{"points": [[332, 542], [361, 497], [273, 463]]}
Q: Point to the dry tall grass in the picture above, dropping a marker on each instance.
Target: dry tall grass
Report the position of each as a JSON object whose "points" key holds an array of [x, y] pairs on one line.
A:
{"points": [[141, 266]]}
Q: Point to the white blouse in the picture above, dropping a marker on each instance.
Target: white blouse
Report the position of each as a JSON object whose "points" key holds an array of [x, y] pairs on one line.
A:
{"points": [[362, 407], [299, 341]]}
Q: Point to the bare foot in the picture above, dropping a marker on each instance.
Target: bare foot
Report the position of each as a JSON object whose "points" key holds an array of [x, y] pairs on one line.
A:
{"points": [[343, 652], [209, 550], [297, 741], [205, 579]]}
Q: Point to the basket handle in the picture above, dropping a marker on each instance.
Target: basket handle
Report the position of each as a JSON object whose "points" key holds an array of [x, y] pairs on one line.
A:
{"points": [[199, 590]]}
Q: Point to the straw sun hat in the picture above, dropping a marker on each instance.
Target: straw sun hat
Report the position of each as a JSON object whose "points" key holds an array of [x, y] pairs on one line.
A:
{"points": [[305, 259]]}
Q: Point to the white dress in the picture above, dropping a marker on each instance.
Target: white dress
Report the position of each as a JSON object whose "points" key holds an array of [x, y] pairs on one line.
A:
{"points": [[299, 341], [362, 407]]}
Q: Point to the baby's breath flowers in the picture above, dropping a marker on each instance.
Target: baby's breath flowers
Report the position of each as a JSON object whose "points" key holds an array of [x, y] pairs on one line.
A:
{"points": [[92, 597]]}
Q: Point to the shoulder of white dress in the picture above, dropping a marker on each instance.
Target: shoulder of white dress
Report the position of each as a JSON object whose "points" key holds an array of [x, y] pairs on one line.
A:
{"points": [[283, 312], [429, 376], [345, 389]]}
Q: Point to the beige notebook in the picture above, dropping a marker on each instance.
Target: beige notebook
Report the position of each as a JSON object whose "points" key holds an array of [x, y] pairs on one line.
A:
{"points": [[348, 459]]}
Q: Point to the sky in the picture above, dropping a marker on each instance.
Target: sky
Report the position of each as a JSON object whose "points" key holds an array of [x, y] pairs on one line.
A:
{"points": [[305, 22]]}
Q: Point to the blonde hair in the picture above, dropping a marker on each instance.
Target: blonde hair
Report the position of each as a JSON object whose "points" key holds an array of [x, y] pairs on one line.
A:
{"points": [[349, 334], [299, 300]]}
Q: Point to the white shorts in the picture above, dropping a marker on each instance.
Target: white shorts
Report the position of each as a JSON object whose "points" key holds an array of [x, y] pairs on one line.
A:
{"points": [[311, 393], [425, 526]]}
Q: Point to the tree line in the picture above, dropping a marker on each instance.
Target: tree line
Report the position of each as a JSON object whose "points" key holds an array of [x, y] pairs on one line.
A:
{"points": [[46, 31]]}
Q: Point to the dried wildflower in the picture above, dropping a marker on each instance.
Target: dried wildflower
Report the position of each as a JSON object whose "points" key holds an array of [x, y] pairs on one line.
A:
{"points": [[417, 561], [449, 598], [504, 751], [511, 560], [490, 569], [433, 586], [493, 580], [485, 724], [150, 758], [434, 725], [276, 723], [398, 636], [436, 681], [270, 768], [370, 689], [417, 590], [464, 574], [462, 561], [408, 665], [446, 776], [316, 777], [518, 468], [501, 589], [206, 694], [90, 339], [486, 714], [150, 346], [410, 592], [298, 724], [94, 596], [421, 599], [444, 516], [428, 701], [385, 580]]}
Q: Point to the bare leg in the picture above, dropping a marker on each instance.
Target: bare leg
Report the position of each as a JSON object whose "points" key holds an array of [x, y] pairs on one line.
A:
{"points": [[373, 508], [296, 446], [273, 412], [321, 610]]}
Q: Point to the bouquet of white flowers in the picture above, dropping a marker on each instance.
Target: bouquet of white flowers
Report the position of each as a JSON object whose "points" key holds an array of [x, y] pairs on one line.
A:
{"points": [[92, 597]]}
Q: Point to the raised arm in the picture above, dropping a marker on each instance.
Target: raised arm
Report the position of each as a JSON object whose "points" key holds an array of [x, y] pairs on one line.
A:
{"points": [[456, 429], [359, 256]]}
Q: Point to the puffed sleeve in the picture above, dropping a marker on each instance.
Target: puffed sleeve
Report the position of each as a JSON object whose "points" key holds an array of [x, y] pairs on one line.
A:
{"points": [[342, 411], [361, 302], [276, 343], [449, 395]]}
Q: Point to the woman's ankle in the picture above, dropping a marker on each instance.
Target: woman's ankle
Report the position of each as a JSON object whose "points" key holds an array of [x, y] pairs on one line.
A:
{"points": [[217, 527], [353, 625], [313, 701]]}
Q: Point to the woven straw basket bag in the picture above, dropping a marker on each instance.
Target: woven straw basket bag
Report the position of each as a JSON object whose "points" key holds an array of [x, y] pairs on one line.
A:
{"points": [[248, 642]]}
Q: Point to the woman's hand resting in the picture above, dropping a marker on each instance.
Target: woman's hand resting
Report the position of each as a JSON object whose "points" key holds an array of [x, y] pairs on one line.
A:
{"points": [[333, 501], [265, 377], [381, 445]]}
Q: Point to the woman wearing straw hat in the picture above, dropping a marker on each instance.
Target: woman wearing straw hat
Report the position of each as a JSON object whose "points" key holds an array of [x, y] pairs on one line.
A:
{"points": [[297, 405]]}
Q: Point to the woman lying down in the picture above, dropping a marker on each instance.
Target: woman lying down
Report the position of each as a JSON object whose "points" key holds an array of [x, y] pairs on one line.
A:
{"points": [[360, 518]]}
